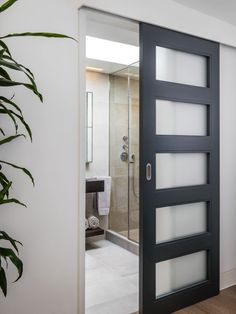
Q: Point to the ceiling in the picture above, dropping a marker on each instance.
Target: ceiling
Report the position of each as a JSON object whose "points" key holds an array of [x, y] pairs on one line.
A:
{"points": [[222, 9], [111, 28]]}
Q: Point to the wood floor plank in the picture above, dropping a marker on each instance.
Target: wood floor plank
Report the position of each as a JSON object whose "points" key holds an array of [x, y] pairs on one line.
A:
{"points": [[224, 303]]}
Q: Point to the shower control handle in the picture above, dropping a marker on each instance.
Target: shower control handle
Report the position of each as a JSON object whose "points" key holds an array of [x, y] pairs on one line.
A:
{"points": [[124, 156], [148, 171]]}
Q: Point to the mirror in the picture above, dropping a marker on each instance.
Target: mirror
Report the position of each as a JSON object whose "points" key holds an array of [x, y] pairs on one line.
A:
{"points": [[89, 128]]}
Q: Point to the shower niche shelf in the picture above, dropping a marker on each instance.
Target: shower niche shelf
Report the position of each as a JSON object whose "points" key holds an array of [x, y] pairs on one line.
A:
{"points": [[94, 186], [94, 232]]}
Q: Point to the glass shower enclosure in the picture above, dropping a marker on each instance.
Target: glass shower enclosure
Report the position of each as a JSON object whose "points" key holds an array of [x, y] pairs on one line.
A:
{"points": [[124, 152]]}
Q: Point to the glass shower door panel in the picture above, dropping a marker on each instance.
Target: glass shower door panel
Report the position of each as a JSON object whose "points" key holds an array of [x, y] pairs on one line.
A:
{"points": [[118, 216], [124, 152], [133, 81]]}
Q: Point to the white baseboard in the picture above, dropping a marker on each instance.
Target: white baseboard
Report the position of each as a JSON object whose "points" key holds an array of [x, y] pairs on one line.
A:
{"points": [[228, 279]]}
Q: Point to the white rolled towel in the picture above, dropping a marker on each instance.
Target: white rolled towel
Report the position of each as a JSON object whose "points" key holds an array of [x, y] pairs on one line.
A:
{"points": [[104, 198], [93, 222], [86, 224]]}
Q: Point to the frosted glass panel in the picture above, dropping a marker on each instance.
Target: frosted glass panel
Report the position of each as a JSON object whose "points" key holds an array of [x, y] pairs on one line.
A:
{"points": [[176, 118], [173, 170], [180, 272], [180, 221], [181, 67]]}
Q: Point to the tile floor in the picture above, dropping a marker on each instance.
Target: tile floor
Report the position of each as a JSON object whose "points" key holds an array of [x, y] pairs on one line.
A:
{"points": [[111, 279]]}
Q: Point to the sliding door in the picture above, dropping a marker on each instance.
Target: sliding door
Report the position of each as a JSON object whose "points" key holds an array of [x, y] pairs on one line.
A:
{"points": [[179, 170]]}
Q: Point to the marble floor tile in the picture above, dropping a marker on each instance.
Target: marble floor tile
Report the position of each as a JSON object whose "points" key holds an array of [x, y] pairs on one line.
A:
{"points": [[111, 279], [125, 305]]}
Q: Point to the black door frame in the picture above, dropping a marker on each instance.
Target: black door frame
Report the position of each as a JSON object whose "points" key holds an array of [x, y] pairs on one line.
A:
{"points": [[150, 144]]}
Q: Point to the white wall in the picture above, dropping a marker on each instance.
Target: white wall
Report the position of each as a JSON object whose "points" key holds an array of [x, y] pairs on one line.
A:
{"points": [[169, 14], [48, 228], [98, 83], [228, 164]]}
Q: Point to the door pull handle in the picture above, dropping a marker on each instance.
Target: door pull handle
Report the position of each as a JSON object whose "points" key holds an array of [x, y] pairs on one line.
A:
{"points": [[148, 172]]}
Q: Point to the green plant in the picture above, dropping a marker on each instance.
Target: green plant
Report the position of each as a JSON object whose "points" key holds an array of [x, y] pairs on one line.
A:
{"points": [[9, 253]]}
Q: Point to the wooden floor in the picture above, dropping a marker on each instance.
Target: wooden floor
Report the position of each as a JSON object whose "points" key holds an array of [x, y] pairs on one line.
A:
{"points": [[224, 303]]}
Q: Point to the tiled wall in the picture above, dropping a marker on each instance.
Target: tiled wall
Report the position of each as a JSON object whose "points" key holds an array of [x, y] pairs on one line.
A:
{"points": [[134, 167]]}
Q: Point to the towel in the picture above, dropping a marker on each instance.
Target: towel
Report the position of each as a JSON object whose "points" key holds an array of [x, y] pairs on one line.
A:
{"points": [[104, 198], [86, 224], [93, 222]]}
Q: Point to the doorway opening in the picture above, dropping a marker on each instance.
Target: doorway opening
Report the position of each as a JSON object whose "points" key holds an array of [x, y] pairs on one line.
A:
{"points": [[179, 167], [112, 165]]}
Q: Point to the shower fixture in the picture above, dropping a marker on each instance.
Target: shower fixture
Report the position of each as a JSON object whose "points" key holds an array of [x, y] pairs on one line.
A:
{"points": [[125, 139], [125, 156]]}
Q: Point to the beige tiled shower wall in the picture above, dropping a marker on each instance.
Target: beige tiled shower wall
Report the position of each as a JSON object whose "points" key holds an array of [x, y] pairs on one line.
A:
{"points": [[124, 191], [134, 167]]}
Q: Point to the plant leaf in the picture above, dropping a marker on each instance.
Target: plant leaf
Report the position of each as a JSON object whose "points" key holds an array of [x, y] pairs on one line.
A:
{"points": [[2, 53], [34, 89], [4, 46], [5, 259], [1, 130], [10, 138], [10, 65], [22, 121], [4, 74], [6, 5], [6, 83], [21, 65], [10, 102], [12, 200], [4, 191], [26, 171], [3, 281], [14, 259], [13, 242], [9, 113], [4, 182], [3, 177], [38, 34]]}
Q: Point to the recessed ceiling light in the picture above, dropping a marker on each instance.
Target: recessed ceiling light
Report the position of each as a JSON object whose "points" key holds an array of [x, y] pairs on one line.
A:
{"points": [[111, 51], [94, 69], [131, 74]]}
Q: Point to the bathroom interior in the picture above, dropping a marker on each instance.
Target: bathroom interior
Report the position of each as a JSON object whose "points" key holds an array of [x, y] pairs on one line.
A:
{"points": [[112, 164]]}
